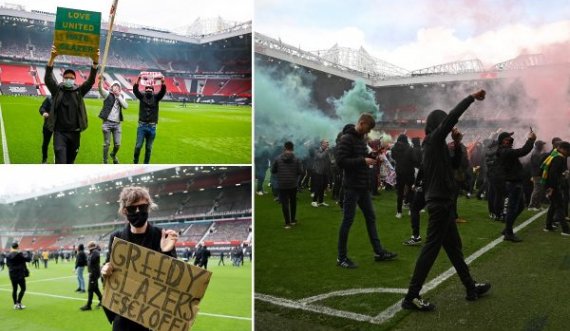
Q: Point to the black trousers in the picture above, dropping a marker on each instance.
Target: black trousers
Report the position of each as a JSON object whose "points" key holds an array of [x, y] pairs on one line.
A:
{"points": [[45, 143], [93, 287], [124, 324], [418, 203], [403, 181], [318, 187], [441, 232], [17, 298], [288, 199], [66, 146], [557, 211]]}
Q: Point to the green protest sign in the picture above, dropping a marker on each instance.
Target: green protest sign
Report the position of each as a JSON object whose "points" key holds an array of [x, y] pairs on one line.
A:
{"points": [[77, 32]]}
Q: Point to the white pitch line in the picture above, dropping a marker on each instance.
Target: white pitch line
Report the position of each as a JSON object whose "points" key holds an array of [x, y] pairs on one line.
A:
{"points": [[42, 280], [4, 142], [306, 303], [94, 300], [352, 292]]}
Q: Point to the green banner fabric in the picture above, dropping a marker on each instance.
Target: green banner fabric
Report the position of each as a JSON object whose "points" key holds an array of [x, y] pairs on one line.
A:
{"points": [[77, 32]]}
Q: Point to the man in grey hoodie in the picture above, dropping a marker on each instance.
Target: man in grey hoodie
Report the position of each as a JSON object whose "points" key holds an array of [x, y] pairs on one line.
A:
{"points": [[288, 168]]}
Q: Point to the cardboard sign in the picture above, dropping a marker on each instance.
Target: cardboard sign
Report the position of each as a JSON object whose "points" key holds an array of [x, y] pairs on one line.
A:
{"points": [[77, 32], [153, 289]]}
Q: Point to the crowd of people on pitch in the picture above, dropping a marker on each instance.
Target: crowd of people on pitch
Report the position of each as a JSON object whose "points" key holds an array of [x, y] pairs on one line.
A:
{"points": [[430, 175], [65, 114]]}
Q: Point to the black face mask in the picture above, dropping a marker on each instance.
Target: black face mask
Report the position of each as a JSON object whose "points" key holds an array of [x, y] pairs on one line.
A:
{"points": [[138, 219], [148, 93]]}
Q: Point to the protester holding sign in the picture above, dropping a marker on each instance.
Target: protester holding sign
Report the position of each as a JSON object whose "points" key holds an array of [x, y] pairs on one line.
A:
{"points": [[148, 116], [112, 116], [67, 117], [135, 203]]}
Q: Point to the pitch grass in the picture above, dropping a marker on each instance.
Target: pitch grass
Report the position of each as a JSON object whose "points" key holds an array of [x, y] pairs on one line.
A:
{"points": [[197, 134], [229, 293], [528, 279]]}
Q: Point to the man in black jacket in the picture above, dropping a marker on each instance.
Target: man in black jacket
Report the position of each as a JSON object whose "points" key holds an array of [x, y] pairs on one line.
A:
{"points": [[148, 118], [556, 185], [352, 158], [135, 203], [44, 111], [511, 169], [80, 264], [403, 154], [16, 262], [440, 191], [321, 171], [287, 168], [68, 116], [94, 270]]}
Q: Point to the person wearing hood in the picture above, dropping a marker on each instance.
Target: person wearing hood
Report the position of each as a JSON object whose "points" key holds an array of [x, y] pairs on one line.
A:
{"points": [[94, 270], [112, 116], [440, 191], [511, 169], [68, 116], [403, 154], [287, 169], [18, 271], [135, 204], [353, 158], [148, 117]]}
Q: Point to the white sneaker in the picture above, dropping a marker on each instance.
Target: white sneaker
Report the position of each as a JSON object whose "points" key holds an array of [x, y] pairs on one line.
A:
{"points": [[399, 215], [16, 307], [21, 306], [565, 234], [324, 204], [314, 204], [259, 193]]}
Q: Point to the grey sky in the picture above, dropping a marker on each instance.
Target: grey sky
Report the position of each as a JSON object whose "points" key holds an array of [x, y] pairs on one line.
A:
{"points": [[166, 14]]}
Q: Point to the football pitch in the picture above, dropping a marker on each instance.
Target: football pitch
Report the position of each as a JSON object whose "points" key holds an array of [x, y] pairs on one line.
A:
{"points": [[195, 134], [53, 305], [299, 287]]}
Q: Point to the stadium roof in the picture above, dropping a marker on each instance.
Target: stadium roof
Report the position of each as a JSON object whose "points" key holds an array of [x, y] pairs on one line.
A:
{"points": [[360, 65], [226, 29]]}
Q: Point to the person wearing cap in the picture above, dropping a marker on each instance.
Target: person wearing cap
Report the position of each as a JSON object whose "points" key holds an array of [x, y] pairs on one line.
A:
{"points": [[556, 185], [80, 264], [440, 191], [93, 268], [16, 262], [68, 116], [148, 118], [112, 116], [536, 158], [511, 169]]}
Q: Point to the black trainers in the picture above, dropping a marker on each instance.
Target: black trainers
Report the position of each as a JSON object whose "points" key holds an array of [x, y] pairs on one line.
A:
{"points": [[418, 304], [84, 308], [385, 256], [512, 237], [477, 291], [413, 241], [346, 263]]}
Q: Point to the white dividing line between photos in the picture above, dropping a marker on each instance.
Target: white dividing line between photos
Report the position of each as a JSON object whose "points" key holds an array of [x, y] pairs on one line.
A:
{"points": [[307, 304], [4, 142]]}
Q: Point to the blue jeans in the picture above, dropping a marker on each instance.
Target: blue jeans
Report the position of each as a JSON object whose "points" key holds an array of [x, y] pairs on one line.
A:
{"points": [[363, 199], [80, 279], [145, 131]]}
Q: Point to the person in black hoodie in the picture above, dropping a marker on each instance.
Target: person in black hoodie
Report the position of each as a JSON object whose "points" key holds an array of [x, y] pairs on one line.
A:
{"points": [[94, 270], [80, 264], [402, 153], [511, 169], [68, 116], [44, 111], [148, 118], [440, 191], [556, 185], [16, 262], [352, 157], [287, 168], [135, 203]]}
